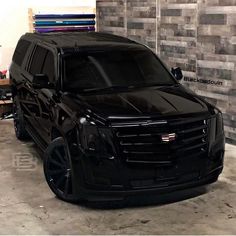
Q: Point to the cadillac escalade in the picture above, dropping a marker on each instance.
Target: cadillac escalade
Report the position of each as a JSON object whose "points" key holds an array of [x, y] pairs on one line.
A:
{"points": [[111, 119]]}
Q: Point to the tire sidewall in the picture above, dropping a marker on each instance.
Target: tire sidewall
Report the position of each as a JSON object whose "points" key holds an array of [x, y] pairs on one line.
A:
{"points": [[20, 131]]}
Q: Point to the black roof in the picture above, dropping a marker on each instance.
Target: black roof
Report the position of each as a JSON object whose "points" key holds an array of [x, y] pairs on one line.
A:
{"points": [[78, 39]]}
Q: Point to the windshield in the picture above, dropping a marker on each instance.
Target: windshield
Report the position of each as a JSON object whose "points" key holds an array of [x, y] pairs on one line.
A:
{"points": [[86, 71]]}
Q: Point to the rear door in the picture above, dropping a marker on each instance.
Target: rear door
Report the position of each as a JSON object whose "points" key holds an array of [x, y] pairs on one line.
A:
{"points": [[22, 80]]}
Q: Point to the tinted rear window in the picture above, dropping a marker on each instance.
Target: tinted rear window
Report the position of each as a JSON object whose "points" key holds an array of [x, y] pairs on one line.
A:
{"points": [[43, 63], [20, 51], [38, 60]]}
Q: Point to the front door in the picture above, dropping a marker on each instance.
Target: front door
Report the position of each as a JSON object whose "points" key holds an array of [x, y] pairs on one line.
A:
{"points": [[43, 63]]}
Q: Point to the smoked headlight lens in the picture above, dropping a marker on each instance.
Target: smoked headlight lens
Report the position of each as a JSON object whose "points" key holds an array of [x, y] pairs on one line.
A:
{"points": [[219, 124], [108, 148], [96, 141], [216, 127]]}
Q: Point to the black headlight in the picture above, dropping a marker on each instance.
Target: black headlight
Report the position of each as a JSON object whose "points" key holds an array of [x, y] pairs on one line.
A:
{"points": [[96, 141], [219, 124], [217, 127]]}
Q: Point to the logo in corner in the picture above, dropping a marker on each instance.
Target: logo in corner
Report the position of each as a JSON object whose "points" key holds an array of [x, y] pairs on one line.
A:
{"points": [[166, 138]]}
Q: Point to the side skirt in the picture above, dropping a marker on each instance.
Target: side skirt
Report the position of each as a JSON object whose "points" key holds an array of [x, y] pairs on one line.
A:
{"points": [[37, 139]]}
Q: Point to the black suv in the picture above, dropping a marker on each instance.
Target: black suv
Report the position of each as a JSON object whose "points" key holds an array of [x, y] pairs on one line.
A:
{"points": [[111, 119]]}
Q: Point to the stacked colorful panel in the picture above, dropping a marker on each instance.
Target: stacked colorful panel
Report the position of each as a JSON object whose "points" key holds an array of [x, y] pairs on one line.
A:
{"points": [[44, 23]]}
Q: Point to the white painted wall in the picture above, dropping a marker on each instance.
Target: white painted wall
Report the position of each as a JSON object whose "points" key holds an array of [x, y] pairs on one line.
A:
{"points": [[14, 21]]}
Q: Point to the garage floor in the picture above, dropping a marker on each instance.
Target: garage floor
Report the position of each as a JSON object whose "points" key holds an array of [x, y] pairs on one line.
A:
{"points": [[27, 206]]}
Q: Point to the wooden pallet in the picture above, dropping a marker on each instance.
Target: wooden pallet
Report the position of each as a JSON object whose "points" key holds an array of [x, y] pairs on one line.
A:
{"points": [[4, 82]]}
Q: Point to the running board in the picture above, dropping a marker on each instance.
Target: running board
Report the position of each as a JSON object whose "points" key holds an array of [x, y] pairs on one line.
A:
{"points": [[37, 139]]}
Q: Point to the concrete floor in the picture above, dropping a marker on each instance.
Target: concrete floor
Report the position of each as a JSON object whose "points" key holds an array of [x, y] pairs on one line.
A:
{"points": [[27, 206]]}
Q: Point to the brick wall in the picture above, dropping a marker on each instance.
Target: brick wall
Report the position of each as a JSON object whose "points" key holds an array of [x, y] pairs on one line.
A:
{"points": [[132, 18], [111, 17], [216, 57], [178, 35], [197, 35], [141, 21]]}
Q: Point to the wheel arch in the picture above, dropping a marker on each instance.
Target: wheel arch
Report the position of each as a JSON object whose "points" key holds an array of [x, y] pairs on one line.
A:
{"points": [[13, 87], [55, 133]]}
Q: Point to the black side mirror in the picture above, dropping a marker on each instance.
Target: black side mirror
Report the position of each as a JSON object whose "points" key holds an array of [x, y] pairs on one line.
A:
{"points": [[41, 81], [177, 72]]}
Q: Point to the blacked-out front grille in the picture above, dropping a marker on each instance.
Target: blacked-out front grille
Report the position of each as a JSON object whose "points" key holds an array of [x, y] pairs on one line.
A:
{"points": [[144, 142]]}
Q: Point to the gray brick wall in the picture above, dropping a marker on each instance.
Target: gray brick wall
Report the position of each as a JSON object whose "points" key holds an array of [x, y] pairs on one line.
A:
{"points": [[216, 57], [136, 19], [178, 31], [197, 35], [111, 17], [141, 21]]}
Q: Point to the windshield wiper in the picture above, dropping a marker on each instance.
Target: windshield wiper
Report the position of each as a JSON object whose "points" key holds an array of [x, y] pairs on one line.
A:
{"points": [[109, 88], [154, 85], [119, 87]]}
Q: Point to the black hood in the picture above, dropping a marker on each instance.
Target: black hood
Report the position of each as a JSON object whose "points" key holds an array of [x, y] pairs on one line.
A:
{"points": [[161, 101]]}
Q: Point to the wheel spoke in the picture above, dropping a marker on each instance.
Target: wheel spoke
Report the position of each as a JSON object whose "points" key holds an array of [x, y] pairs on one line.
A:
{"points": [[67, 185], [59, 181], [59, 171], [55, 172], [62, 159], [57, 163]]}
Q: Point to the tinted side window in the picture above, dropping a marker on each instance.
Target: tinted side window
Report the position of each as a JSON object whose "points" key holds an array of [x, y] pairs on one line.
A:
{"points": [[20, 51], [38, 60], [48, 67]]}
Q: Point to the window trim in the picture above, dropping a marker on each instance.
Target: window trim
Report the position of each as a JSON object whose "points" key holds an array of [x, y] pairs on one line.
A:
{"points": [[54, 58], [26, 52], [48, 51]]}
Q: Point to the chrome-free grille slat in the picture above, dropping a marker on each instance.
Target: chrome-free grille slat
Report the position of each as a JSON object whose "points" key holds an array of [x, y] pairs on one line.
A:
{"points": [[192, 130], [139, 144]]}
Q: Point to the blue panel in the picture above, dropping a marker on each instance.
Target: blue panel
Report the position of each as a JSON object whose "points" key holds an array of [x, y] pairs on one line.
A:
{"points": [[63, 23], [64, 16]]}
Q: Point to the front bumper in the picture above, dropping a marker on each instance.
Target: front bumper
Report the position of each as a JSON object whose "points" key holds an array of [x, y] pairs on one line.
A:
{"points": [[112, 180], [114, 195]]}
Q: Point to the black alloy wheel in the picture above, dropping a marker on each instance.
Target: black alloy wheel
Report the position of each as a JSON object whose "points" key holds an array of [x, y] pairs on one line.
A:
{"points": [[58, 170], [19, 123]]}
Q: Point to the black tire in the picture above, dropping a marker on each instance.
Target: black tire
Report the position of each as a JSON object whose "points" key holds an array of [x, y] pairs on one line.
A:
{"points": [[58, 170], [19, 122]]}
